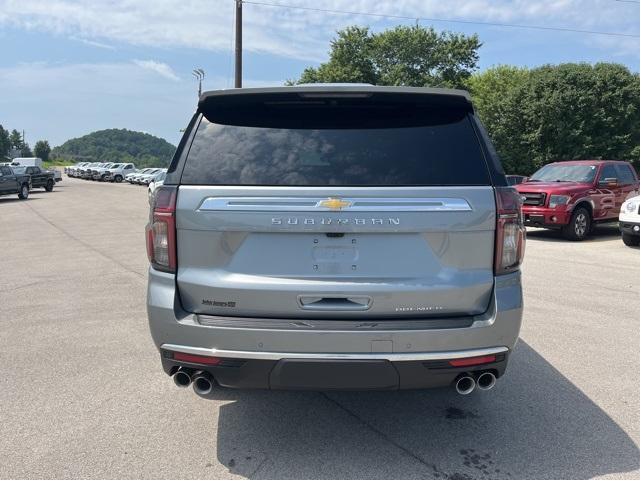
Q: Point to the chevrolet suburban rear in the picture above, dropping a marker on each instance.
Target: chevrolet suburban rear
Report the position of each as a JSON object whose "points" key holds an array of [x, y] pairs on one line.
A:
{"points": [[335, 237]]}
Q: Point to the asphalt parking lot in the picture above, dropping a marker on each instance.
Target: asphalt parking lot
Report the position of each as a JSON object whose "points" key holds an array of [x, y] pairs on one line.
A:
{"points": [[83, 394]]}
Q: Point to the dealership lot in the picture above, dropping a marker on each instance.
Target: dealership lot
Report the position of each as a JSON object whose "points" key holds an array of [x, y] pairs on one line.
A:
{"points": [[83, 394]]}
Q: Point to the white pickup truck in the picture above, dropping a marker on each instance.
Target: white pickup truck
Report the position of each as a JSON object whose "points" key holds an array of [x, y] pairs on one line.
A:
{"points": [[630, 222], [117, 172]]}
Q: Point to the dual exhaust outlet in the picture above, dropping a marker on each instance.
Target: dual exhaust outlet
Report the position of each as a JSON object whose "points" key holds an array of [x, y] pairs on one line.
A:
{"points": [[465, 384], [203, 382]]}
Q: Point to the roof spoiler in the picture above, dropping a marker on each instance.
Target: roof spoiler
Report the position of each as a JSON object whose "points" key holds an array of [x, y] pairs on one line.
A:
{"points": [[444, 97]]}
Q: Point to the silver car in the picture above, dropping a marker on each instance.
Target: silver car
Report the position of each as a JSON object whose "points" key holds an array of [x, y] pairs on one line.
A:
{"points": [[335, 237]]}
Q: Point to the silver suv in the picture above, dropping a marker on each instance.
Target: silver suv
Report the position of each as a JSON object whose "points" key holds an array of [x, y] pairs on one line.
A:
{"points": [[335, 237]]}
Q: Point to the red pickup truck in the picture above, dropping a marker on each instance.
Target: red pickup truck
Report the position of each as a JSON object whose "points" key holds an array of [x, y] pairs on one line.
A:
{"points": [[573, 196]]}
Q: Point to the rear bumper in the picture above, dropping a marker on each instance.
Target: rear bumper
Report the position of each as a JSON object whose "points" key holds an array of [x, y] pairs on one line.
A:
{"points": [[293, 356], [303, 373]]}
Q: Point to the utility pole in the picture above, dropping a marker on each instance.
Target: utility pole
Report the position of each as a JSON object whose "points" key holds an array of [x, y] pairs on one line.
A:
{"points": [[238, 83]]}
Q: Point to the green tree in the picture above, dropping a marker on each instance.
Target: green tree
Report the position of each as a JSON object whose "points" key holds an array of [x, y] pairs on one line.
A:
{"points": [[15, 138], [5, 142], [25, 151], [568, 111], [118, 145], [42, 150], [490, 90], [409, 56]]}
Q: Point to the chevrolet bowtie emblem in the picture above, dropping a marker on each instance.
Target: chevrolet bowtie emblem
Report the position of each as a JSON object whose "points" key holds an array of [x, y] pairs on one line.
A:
{"points": [[334, 203]]}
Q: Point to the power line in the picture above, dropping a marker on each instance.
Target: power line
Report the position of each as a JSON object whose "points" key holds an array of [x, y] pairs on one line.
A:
{"points": [[448, 20], [627, 1]]}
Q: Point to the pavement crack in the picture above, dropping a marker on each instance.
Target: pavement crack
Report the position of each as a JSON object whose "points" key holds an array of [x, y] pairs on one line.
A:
{"points": [[434, 468], [83, 243]]}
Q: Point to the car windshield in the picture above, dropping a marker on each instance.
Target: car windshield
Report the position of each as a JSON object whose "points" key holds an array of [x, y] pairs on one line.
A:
{"points": [[19, 170], [565, 173], [117, 165]]}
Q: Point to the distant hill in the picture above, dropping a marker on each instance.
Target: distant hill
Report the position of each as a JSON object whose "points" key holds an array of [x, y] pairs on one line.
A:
{"points": [[117, 145]]}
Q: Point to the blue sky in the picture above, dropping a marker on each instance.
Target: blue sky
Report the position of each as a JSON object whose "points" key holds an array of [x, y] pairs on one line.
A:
{"points": [[68, 67]]}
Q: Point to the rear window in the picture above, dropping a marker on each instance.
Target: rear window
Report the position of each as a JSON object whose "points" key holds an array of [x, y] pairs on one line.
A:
{"points": [[324, 147]]}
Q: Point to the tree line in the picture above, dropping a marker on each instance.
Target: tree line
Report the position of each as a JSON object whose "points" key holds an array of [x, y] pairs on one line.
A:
{"points": [[533, 115], [14, 140]]}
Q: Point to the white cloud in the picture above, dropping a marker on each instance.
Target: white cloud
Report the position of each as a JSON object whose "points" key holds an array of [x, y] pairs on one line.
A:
{"points": [[93, 43], [60, 101], [286, 32], [57, 101], [160, 68]]}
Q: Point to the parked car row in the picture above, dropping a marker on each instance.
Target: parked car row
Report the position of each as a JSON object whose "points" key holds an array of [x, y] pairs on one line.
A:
{"points": [[575, 196], [147, 176], [103, 172]]}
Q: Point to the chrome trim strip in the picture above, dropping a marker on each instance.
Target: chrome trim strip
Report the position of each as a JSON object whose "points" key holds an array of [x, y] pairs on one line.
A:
{"points": [[396, 357], [313, 204]]}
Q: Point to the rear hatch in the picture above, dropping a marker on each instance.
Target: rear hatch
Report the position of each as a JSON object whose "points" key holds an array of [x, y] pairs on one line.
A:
{"points": [[374, 206]]}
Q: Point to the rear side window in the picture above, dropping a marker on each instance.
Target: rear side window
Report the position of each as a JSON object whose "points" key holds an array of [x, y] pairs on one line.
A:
{"points": [[625, 175], [309, 148]]}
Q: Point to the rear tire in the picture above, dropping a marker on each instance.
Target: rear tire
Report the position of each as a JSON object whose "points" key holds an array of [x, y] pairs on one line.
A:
{"points": [[24, 192], [579, 226], [49, 186], [118, 178], [630, 240]]}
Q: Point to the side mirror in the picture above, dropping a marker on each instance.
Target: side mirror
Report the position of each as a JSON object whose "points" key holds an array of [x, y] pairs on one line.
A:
{"points": [[609, 182]]}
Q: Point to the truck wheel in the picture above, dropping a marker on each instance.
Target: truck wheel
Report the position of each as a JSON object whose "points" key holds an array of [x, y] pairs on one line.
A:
{"points": [[118, 178], [24, 192], [631, 240], [579, 226], [49, 186]]}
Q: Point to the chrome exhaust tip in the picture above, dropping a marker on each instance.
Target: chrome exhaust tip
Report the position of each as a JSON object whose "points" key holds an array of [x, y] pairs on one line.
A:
{"points": [[182, 378], [465, 385], [486, 381], [202, 383]]}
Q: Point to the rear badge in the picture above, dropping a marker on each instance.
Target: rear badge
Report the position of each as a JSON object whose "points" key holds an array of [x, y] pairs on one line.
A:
{"points": [[334, 221], [334, 203], [215, 303], [418, 308]]}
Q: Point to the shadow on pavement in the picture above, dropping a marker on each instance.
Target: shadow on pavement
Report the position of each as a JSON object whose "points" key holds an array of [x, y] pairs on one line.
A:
{"points": [[535, 424], [9, 199], [600, 233]]}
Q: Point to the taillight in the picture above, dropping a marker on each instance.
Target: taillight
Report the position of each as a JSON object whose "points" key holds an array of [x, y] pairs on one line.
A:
{"points": [[510, 231], [468, 362], [161, 230], [187, 357]]}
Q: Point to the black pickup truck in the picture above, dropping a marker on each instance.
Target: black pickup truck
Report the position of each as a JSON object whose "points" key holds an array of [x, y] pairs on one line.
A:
{"points": [[12, 182], [39, 178]]}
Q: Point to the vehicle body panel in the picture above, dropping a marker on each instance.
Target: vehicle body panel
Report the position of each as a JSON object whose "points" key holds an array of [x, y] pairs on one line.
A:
{"points": [[436, 262]]}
